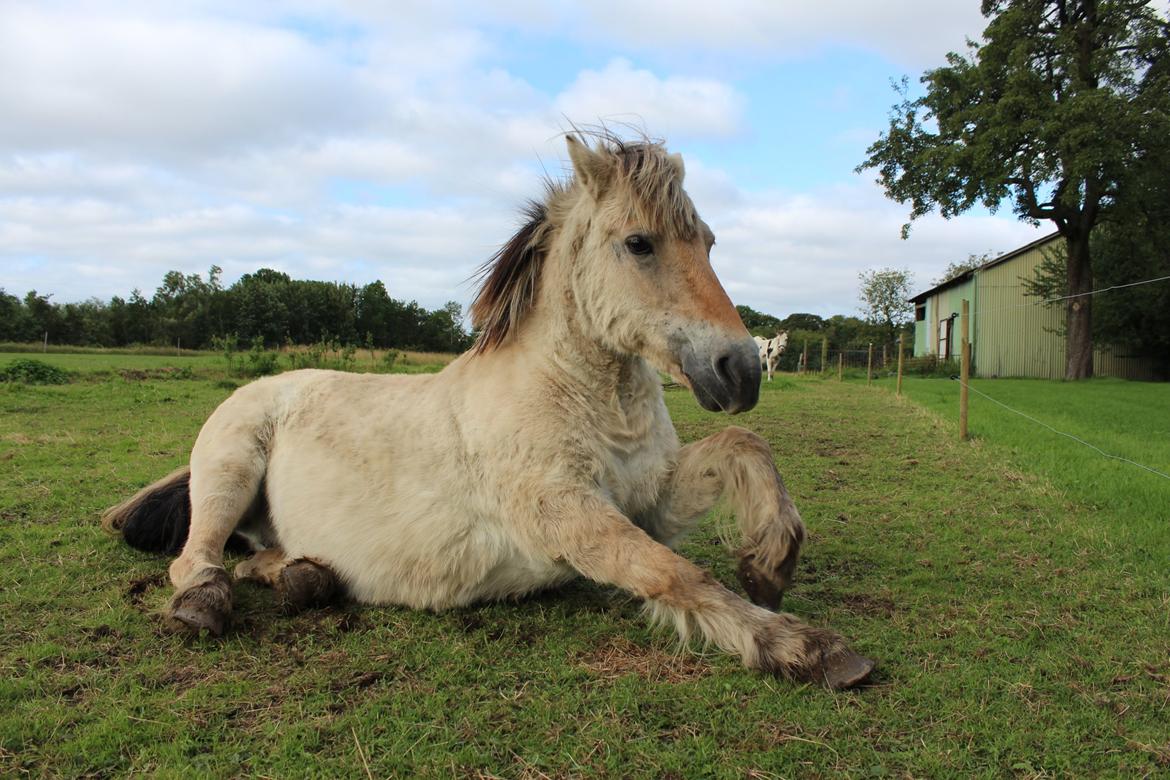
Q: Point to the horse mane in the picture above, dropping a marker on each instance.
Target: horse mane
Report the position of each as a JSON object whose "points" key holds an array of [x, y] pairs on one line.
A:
{"points": [[654, 197]]}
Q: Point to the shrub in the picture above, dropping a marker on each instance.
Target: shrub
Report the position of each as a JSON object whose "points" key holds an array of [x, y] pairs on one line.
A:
{"points": [[33, 372], [931, 366], [261, 362]]}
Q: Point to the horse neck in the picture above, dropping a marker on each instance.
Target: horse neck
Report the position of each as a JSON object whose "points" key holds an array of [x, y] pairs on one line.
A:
{"points": [[580, 364]]}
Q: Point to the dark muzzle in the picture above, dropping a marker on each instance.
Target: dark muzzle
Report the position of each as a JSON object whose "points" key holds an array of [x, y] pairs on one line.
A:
{"points": [[725, 379]]}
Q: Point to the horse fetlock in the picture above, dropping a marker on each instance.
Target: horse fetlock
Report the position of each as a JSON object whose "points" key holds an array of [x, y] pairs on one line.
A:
{"points": [[204, 605], [305, 583]]}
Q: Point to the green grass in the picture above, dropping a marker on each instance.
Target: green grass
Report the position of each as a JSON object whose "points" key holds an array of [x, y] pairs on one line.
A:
{"points": [[1016, 630], [1126, 419]]}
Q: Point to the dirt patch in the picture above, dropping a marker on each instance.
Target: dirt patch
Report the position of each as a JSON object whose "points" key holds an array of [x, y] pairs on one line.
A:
{"points": [[138, 588], [621, 657], [869, 605]]}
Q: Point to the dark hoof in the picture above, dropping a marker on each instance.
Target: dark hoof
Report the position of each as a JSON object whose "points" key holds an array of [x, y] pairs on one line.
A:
{"points": [[845, 669], [304, 584], [765, 589], [203, 607]]}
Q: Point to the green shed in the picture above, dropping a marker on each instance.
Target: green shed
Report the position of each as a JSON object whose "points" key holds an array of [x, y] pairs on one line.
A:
{"points": [[1012, 334]]}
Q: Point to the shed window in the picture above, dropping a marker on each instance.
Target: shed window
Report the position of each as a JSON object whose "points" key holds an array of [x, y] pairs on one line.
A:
{"points": [[920, 312]]}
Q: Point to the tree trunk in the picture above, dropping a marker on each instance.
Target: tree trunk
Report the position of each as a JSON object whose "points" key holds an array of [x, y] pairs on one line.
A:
{"points": [[1079, 319]]}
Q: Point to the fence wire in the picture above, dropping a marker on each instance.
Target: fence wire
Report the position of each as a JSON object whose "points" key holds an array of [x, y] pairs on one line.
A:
{"points": [[1077, 439]]}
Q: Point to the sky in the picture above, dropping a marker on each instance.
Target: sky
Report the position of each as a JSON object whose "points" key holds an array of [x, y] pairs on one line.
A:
{"points": [[359, 139]]}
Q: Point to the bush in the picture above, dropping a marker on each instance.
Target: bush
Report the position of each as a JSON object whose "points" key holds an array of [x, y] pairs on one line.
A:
{"points": [[33, 372], [931, 366], [261, 362]]}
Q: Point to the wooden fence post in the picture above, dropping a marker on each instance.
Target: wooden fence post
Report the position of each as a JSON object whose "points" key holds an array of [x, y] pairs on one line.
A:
{"points": [[964, 376], [841, 366], [900, 337], [824, 355], [869, 366], [804, 358], [883, 367]]}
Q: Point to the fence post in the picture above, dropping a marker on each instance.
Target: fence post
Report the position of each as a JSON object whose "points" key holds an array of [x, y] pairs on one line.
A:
{"points": [[841, 366], [869, 366], [883, 367], [824, 355], [45, 348], [900, 337], [804, 358], [964, 376]]}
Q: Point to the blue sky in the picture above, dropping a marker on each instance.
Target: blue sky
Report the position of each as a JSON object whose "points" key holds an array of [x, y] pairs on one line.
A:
{"points": [[359, 140]]}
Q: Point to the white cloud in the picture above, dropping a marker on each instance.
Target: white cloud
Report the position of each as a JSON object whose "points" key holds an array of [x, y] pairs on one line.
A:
{"points": [[165, 88], [912, 32], [676, 106], [784, 253]]}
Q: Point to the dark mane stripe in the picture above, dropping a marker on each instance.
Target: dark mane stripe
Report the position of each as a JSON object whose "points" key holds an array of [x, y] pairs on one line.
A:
{"points": [[508, 280]]}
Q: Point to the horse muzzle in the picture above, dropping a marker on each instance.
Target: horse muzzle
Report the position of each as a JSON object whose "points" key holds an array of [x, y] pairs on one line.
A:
{"points": [[724, 378]]}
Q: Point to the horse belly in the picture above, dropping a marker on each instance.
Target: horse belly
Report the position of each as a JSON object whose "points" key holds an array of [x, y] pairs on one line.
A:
{"points": [[396, 530]]}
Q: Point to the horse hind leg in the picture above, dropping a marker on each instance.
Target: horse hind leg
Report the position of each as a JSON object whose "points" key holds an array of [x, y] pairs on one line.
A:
{"points": [[300, 583]]}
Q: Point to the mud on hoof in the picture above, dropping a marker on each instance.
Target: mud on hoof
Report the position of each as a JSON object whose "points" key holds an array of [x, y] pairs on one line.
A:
{"points": [[764, 585], [304, 583], [204, 606]]}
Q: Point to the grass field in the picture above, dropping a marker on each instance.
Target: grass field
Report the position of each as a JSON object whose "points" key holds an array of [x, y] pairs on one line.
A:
{"points": [[1018, 631], [1128, 420]]}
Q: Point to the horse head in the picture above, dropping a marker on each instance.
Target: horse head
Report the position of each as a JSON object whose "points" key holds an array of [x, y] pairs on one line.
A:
{"points": [[619, 257], [644, 279]]}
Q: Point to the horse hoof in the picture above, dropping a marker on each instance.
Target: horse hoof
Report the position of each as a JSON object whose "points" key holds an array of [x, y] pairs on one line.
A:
{"points": [[195, 621], [203, 607], [845, 669], [305, 583]]}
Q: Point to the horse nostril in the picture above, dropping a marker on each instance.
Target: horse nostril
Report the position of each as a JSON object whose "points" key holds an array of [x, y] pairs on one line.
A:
{"points": [[723, 369]]}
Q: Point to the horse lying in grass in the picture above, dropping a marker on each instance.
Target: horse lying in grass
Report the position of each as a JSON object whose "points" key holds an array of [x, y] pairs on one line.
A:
{"points": [[543, 453], [771, 350]]}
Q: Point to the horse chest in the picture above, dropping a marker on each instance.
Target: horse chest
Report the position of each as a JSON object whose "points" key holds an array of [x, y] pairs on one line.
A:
{"points": [[632, 473]]}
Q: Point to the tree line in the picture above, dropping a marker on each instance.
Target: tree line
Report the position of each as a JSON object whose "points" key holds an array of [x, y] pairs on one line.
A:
{"points": [[265, 307]]}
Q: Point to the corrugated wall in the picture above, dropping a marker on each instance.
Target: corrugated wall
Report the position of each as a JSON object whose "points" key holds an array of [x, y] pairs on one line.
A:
{"points": [[1016, 337]]}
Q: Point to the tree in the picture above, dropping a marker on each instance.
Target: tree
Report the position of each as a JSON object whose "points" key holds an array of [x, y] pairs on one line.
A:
{"points": [[803, 321], [758, 323], [885, 295], [960, 267], [1056, 111]]}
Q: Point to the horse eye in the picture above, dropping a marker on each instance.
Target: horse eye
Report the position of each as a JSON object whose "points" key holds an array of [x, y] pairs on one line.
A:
{"points": [[639, 245]]}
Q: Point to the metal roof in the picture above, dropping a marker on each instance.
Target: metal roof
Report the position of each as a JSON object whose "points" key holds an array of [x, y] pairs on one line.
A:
{"points": [[989, 264]]}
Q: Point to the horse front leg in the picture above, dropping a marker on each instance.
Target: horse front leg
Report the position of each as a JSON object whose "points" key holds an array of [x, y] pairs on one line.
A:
{"points": [[594, 538], [737, 466]]}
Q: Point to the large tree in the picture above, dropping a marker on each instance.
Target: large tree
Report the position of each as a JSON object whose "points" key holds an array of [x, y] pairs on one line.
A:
{"points": [[1055, 111]]}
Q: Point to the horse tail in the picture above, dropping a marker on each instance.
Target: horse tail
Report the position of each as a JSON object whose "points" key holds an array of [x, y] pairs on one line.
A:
{"points": [[156, 518]]}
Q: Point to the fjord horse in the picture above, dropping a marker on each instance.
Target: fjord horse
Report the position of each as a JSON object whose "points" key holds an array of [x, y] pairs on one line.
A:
{"points": [[543, 453]]}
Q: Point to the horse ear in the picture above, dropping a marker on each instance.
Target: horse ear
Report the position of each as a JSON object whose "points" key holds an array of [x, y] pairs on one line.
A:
{"points": [[591, 168], [677, 160]]}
